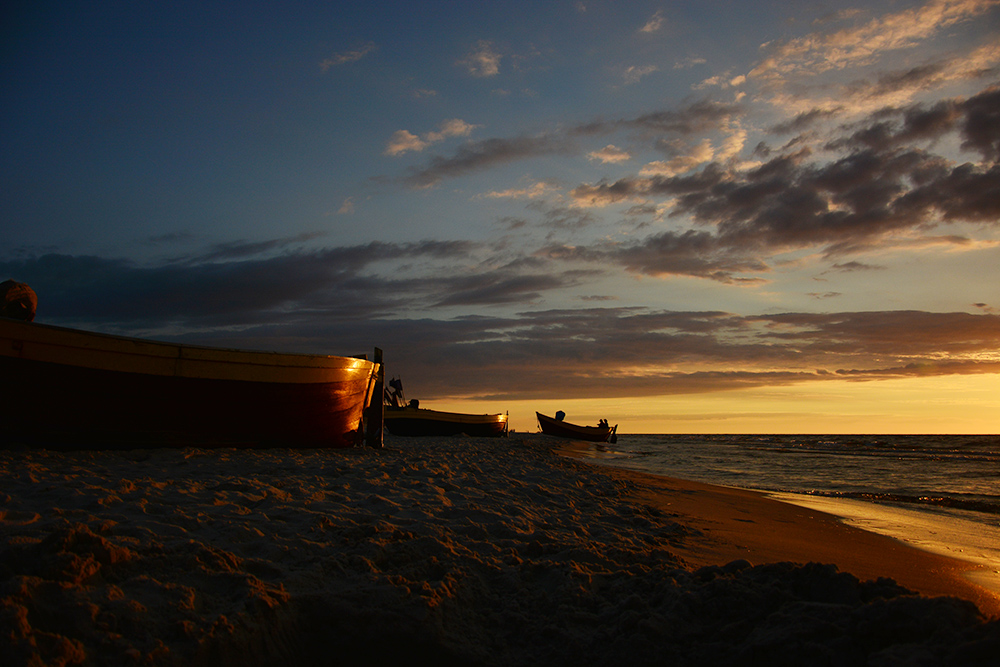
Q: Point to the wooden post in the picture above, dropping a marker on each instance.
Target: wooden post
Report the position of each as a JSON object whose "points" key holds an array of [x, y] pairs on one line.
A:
{"points": [[374, 412]]}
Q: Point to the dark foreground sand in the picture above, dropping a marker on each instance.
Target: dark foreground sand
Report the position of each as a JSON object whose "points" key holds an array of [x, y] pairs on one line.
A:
{"points": [[450, 551]]}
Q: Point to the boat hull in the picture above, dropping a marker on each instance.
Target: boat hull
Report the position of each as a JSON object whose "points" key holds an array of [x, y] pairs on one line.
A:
{"points": [[563, 429], [71, 389], [422, 422]]}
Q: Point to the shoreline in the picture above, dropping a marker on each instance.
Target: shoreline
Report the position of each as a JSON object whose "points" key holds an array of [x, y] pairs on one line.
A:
{"points": [[914, 527], [756, 525]]}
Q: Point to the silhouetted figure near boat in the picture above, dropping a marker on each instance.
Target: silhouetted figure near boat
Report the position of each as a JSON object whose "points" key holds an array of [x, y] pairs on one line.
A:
{"points": [[393, 395]]}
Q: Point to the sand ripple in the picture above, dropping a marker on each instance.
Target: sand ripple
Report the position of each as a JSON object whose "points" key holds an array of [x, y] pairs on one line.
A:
{"points": [[457, 550]]}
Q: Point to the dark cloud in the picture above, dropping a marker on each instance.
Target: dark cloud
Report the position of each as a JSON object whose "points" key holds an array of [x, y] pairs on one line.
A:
{"points": [[697, 116], [976, 119], [563, 218], [324, 302], [803, 121], [620, 352], [691, 253], [203, 291], [478, 155], [880, 188], [593, 352], [890, 335], [915, 78], [981, 124], [242, 249], [895, 127], [847, 267], [504, 287]]}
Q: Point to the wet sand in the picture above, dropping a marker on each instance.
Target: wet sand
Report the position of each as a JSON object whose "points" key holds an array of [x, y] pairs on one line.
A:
{"points": [[458, 551], [737, 523]]}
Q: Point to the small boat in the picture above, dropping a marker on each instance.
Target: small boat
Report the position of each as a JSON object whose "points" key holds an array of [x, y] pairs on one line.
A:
{"points": [[409, 419], [563, 429], [415, 421], [69, 389]]}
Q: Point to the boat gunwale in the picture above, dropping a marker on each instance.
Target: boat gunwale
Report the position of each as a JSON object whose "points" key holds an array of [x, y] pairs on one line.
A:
{"points": [[426, 414], [46, 343]]}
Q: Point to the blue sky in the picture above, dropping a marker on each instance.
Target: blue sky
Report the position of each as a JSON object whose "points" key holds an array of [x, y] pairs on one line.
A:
{"points": [[620, 207]]}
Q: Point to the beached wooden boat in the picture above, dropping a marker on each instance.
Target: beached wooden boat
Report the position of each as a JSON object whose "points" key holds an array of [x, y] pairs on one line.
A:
{"points": [[563, 429], [411, 421], [68, 389]]}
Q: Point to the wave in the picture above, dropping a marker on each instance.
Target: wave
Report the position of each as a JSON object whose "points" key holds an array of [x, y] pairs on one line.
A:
{"points": [[985, 506]]}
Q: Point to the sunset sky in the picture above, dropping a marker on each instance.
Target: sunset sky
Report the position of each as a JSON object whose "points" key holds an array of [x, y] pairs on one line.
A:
{"points": [[681, 216]]}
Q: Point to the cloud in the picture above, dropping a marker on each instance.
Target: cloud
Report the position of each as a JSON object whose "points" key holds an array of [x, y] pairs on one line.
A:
{"points": [[634, 73], [689, 62], [229, 284], [242, 249], [849, 267], [610, 154], [483, 61], [347, 207], [335, 301], [346, 57], [565, 218], [478, 155], [981, 124], [692, 158], [854, 69], [898, 337], [887, 88], [504, 287], [534, 191], [654, 23], [881, 192], [691, 253], [454, 127], [404, 141], [732, 145], [622, 352], [803, 121], [698, 116], [858, 45], [725, 80]]}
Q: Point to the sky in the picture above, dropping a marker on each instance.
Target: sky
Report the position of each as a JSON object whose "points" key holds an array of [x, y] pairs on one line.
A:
{"points": [[684, 217]]}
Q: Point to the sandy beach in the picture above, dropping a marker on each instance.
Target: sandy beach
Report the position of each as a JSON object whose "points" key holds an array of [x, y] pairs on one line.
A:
{"points": [[458, 550]]}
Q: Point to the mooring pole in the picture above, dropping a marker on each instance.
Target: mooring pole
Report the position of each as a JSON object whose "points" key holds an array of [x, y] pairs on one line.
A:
{"points": [[374, 411]]}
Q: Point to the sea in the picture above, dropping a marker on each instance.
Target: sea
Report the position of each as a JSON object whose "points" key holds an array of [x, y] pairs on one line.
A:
{"points": [[940, 493]]}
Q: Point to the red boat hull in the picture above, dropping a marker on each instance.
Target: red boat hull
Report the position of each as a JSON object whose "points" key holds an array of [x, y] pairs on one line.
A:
{"points": [[71, 389]]}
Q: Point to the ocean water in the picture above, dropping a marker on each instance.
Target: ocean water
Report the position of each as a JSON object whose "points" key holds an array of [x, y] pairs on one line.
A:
{"points": [[936, 492]]}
